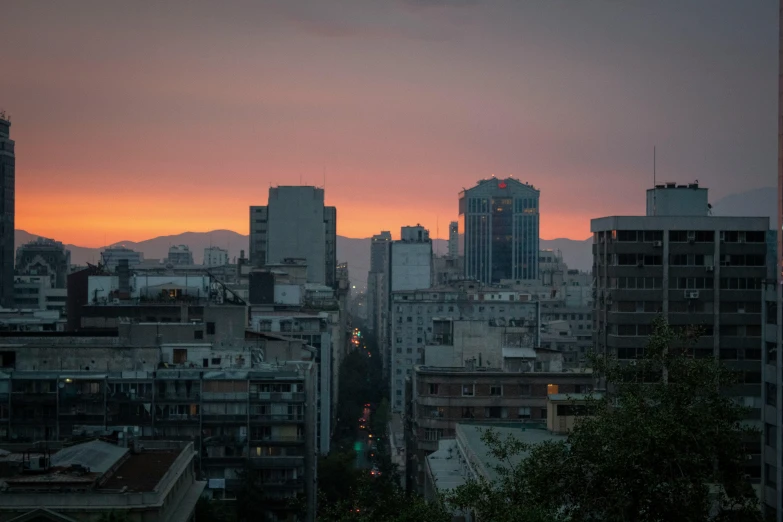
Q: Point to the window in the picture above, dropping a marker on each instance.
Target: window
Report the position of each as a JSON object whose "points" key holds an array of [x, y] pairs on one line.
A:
{"points": [[468, 390], [216, 361], [524, 412], [524, 389], [210, 328], [496, 391], [495, 412], [772, 353], [198, 334], [180, 355], [433, 389], [772, 393], [467, 413]]}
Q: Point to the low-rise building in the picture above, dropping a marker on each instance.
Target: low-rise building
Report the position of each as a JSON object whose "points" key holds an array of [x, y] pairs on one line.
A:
{"points": [[215, 256], [180, 255], [150, 481], [445, 397]]}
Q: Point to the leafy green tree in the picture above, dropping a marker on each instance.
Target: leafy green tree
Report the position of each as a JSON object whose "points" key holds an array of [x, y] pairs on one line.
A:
{"points": [[666, 443]]}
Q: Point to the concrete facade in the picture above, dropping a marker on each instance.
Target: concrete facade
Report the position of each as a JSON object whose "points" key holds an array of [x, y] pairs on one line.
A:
{"points": [[500, 223], [180, 255], [36, 293], [698, 271], [262, 416], [215, 256], [296, 224], [423, 317], [445, 397], [7, 211], [409, 262], [110, 257]]}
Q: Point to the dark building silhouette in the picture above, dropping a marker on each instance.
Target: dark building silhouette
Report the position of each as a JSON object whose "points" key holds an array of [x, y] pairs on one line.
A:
{"points": [[7, 172], [44, 257]]}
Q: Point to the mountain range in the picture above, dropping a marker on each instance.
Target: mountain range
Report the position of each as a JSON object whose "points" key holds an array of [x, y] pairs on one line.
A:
{"points": [[356, 251]]}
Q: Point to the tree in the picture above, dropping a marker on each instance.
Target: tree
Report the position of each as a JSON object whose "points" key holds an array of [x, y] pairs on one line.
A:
{"points": [[666, 443], [250, 502], [337, 477], [379, 500]]}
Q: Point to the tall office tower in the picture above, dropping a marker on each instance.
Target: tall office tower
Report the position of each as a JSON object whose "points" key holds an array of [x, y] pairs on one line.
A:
{"points": [[379, 247], [453, 240], [7, 202], [695, 269], [295, 224], [772, 431], [500, 226]]}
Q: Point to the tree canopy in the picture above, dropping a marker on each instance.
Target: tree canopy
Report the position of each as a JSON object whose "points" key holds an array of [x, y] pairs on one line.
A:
{"points": [[664, 443]]}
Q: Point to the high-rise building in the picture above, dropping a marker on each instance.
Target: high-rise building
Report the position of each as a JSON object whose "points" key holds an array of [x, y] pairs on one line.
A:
{"points": [[379, 249], [409, 262], [295, 224], [7, 202], [453, 252], [772, 430], [698, 271], [500, 225]]}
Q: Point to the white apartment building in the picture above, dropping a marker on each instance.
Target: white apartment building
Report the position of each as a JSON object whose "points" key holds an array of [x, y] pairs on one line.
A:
{"points": [[417, 317], [215, 256]]}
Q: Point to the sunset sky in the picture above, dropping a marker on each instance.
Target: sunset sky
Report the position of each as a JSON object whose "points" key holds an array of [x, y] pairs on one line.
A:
{"points": [[139, 119]]}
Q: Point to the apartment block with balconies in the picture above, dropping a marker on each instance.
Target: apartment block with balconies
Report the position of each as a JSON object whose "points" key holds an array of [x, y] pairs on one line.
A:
{"points": [[701, 272]]}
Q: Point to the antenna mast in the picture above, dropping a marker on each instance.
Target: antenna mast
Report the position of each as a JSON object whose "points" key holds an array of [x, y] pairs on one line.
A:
{"points": [[655, 188]]}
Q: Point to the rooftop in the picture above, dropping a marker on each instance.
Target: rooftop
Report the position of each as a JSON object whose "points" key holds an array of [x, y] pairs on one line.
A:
{"points": [[142, 472], [95, 466]]}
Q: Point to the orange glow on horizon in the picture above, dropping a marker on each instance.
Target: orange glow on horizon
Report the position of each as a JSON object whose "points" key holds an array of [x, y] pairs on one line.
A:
{"points": [[137, 215]]}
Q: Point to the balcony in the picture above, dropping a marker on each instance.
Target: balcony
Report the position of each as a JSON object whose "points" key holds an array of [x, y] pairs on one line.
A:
{"points": [[276, 418], [277, 396], [287, 461], [177, 397], [173, 418], [276, 440], [224, 418], [218, 396]]}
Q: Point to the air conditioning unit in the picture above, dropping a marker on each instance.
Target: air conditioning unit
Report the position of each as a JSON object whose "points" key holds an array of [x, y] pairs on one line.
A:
{"points": [[658, 244], [709, 268], [691, 294]]}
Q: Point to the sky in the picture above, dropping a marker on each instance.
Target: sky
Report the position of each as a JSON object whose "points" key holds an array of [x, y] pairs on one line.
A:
{"points": [[139, 119]]}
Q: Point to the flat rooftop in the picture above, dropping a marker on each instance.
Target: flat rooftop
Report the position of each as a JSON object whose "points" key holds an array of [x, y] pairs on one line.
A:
{"points": [[142, 472]]}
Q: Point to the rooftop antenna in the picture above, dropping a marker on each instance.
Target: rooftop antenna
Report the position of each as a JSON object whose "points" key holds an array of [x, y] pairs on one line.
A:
{"points": [[655, 187]]}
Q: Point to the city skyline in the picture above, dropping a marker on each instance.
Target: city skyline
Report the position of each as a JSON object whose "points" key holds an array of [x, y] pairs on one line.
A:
{"points": [[155, 120]]}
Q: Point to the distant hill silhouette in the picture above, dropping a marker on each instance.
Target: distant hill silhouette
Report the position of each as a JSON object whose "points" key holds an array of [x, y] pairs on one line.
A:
{"points": [[356, 251], [761, 202]]}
